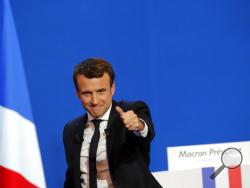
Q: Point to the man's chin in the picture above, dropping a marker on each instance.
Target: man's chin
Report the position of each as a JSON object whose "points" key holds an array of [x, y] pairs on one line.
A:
{"points": [[96, 111], [96, 114]]}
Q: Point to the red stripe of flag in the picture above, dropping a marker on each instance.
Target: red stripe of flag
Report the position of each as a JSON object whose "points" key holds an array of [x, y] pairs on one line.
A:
{"points": [[11, 179], [235, 178]]}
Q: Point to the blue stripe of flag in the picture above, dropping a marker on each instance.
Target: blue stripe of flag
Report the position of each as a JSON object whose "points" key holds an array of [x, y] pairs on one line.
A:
{"points": [[13, 87], [207, 182], [2, 68]]}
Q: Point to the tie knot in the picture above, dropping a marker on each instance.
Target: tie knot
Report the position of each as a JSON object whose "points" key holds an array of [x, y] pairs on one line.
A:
{"points": [[96, 122]]}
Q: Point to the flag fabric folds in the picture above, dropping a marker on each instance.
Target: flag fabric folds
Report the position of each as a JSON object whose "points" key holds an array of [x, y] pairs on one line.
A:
{"points": [[20, 159]]}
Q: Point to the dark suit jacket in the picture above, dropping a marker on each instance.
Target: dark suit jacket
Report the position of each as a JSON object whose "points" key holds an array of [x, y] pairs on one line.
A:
{"points": [[128, 154]]}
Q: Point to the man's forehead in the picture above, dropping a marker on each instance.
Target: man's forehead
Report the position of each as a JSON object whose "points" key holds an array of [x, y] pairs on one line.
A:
{"points": [[93, 84], [104, 77]]}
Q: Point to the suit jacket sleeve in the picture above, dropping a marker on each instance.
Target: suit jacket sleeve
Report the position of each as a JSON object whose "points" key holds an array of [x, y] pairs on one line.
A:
{"points": [[141, 143]]}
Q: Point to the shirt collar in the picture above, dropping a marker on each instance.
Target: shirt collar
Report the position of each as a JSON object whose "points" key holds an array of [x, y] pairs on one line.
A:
{"points": [[104, 117]]}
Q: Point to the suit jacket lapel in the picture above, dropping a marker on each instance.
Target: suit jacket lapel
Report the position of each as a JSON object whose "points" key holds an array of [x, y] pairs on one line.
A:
{"points": [[77, 140]]}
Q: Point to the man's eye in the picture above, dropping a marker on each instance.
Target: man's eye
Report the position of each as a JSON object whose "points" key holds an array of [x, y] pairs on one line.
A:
{"points": [[85, 94], [101, 91]]}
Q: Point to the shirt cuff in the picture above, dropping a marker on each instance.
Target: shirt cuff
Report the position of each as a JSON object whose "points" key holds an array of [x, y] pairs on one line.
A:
{"points": [[144, 132]]}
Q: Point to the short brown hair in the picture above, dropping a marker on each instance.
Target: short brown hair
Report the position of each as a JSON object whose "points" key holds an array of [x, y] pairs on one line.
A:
{"points": [[93, 68]]}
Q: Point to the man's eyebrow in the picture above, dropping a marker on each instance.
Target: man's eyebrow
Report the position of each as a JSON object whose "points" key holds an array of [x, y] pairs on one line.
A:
{"points": [[102, 89], [85, 92]]}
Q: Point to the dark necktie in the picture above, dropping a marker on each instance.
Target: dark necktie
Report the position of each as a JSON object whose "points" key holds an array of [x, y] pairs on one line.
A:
{"points": [[92, 154]]}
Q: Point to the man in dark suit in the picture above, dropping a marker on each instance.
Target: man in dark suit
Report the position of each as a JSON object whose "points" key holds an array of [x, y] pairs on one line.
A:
{"points": [[109, 146]]}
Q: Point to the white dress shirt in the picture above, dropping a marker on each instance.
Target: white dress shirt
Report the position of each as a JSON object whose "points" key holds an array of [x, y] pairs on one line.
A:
{"points": [[102, 166]]}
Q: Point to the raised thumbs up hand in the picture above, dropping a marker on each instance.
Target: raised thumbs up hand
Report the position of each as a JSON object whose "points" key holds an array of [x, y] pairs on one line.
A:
{"points": [[130, 119]]}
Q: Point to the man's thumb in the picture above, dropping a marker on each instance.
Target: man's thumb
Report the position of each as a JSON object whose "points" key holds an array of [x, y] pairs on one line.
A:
{"points": [[119, 110]]}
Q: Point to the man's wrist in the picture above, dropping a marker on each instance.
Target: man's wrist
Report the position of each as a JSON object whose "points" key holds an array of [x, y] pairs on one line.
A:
{"points": [[141, 125], [144, 131]]}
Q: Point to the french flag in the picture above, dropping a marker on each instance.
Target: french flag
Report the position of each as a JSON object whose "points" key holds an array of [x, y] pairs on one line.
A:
{"points": [[20, 159]]}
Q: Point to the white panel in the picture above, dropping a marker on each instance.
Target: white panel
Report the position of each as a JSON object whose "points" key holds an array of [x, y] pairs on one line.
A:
{"points": [[201, 156], [245, 175], [161, 177], [180, 179]]}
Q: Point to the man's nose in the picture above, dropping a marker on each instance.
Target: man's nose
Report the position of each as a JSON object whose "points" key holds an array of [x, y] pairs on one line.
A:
{"points": [[94, 99]]}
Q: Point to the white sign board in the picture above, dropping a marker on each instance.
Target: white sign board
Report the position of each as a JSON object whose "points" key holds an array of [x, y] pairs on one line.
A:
{"points": [[200, 156]]}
